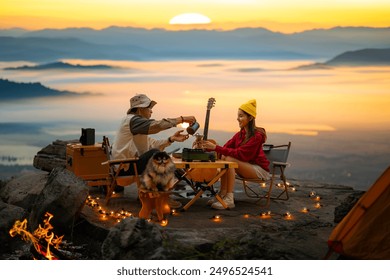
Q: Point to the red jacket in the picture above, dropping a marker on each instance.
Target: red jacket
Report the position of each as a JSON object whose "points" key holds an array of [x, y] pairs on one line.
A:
{"points": [[251, 151]]}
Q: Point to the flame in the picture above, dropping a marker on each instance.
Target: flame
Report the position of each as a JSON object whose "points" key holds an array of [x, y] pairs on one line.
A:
{"points": [[41, 233]]}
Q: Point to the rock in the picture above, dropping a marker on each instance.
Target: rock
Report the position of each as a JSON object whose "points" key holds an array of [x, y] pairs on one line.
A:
{"points": [[8, 215], [133, 239], [346, 205], [63, 196], [24, 190], [52, 156]]}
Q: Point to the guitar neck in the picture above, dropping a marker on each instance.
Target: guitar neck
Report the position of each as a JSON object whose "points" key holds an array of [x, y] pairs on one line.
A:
{"points": [[206, 125]]}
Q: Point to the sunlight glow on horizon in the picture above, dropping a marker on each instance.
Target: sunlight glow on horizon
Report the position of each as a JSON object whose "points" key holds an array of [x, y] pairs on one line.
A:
{"points": [[295, 16], [190, 18]]}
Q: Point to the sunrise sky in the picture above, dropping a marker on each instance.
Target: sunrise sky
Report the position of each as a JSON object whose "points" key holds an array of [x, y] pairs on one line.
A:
{"points": [[277, 15]]}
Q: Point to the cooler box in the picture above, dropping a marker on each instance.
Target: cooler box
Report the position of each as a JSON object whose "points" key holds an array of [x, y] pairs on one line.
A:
{"points": [[86, 163]]}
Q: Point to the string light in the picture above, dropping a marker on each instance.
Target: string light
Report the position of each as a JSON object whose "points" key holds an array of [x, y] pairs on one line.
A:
{"points": [[117, 216], [265, 215]]}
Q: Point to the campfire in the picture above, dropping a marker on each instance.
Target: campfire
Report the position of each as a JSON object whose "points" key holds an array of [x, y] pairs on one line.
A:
{"points": [[45, 244]]}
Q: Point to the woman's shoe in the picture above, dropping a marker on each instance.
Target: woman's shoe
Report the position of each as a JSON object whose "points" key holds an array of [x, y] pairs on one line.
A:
{"points": [[214, 199], [229, 201]]}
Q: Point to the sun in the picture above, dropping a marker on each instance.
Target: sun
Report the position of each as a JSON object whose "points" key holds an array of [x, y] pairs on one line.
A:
{"points": [[190, 18]]}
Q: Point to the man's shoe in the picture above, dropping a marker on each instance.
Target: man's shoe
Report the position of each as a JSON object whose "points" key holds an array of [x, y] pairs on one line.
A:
{"points": [[119, 189], [181, 185], [229, 201]]}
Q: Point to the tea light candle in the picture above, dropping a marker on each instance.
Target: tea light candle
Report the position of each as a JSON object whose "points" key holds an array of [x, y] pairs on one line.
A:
{"points": [[305, 210], [216, 218], [164, 222], [287, 215]]}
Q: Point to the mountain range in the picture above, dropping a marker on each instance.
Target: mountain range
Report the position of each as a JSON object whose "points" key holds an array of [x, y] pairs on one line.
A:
{"points": [[127, 43], [12, 90]]}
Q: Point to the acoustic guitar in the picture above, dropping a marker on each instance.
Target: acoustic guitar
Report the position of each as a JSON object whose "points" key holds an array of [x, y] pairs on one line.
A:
{"points": [[204, 175]]}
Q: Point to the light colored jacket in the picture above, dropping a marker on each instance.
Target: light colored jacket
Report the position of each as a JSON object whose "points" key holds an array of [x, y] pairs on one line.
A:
{"points": [[132, 138]]}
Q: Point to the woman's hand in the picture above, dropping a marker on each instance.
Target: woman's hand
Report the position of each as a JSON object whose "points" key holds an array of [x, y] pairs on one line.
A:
{"points": [[178, 137], [208, 145]]}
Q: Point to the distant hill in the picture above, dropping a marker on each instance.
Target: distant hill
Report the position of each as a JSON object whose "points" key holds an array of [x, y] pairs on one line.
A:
{"points": [[361, 58], [313, 66], [127, 43], [373, 57], [62, 66], [12, 91]]}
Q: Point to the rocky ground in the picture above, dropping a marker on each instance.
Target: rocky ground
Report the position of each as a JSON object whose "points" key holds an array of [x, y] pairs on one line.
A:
{"points": [[239, 233], [248, 231]]}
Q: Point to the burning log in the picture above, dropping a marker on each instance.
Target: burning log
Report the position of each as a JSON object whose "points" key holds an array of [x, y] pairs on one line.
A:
{"points": [[55, 254]]}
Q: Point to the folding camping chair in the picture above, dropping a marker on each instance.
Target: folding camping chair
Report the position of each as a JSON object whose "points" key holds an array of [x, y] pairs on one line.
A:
{"points": [[115, 166], [277, 155]]}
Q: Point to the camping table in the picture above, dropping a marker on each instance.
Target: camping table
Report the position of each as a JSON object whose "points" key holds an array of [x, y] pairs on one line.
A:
{"points": [[221, 165]]}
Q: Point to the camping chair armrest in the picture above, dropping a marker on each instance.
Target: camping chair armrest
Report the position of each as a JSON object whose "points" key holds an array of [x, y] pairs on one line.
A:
{"points": [[119, 161], [279, 163]]}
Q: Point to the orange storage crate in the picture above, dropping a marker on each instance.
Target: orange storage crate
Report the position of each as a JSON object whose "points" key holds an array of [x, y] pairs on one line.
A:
{"points": [[86, 163]]}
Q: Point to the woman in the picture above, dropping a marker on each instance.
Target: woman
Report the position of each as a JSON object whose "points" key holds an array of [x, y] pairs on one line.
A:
{"points": [[245, 148]]}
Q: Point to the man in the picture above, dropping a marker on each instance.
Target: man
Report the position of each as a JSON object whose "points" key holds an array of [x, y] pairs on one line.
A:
{"points": [[133, 140]]}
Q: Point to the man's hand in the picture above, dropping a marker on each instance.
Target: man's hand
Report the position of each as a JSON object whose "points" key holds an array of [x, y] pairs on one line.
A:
{"points": [[187, 119], [178, 137]]}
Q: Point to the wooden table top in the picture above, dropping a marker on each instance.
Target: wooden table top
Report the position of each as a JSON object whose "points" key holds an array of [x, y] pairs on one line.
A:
{"points": [[204, 164]]}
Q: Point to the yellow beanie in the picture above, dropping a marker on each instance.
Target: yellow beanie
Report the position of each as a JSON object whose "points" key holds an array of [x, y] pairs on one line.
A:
{"points": [[249, 107]]}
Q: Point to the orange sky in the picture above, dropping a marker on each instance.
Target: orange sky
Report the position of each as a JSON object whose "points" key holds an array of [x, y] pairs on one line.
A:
{"points": [[277, 15]]}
